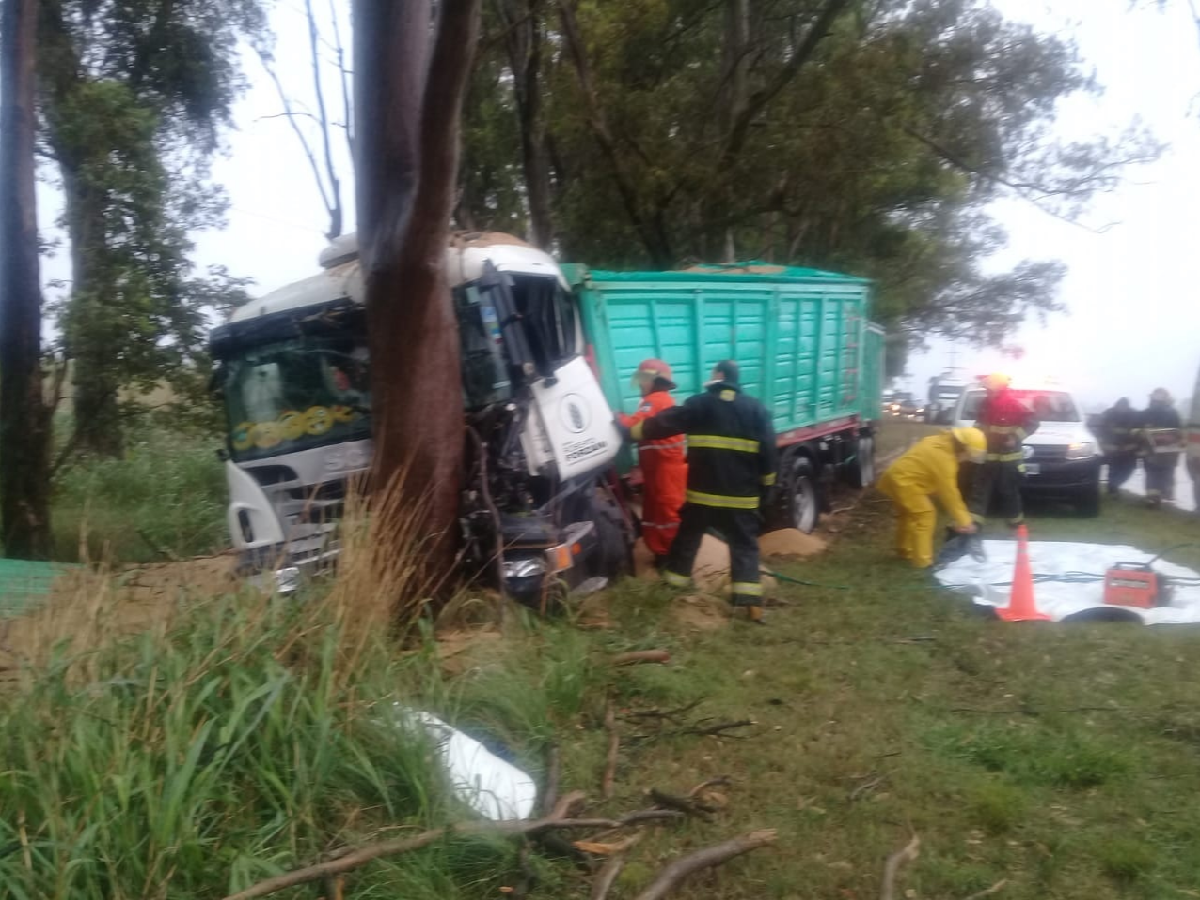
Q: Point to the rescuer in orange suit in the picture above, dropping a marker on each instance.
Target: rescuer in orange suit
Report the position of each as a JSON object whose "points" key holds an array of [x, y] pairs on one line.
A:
{"points": [[663, 462]]}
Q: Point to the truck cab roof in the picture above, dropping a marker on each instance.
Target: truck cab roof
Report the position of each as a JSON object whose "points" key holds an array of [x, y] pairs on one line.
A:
{"points": [[341, 277]]}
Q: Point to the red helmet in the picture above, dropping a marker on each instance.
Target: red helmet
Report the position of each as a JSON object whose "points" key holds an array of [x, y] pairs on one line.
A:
{"points": [[651, 369]]}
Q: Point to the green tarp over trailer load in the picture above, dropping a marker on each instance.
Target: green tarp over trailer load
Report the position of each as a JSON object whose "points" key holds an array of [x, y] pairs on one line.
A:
{"points": [[802, 337]]}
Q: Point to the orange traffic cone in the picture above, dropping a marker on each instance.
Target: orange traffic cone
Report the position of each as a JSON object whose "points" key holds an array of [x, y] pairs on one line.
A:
{"points": [[1021, 607]]}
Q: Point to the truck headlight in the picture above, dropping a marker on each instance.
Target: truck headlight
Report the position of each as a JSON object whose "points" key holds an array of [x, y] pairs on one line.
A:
{"points": [[524, 568], [1081, 450]]}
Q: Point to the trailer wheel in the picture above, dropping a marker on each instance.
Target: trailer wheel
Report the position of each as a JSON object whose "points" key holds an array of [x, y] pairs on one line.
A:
{"points": [[802, 497], [861, 470]]}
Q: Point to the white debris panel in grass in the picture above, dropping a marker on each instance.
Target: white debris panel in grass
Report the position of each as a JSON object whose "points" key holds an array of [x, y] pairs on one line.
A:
{"points": [[494, 788], [1068, 581]]}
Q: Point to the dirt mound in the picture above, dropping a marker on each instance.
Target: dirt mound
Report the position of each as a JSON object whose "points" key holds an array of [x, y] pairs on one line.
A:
{"points": [[697, 612], [710, 571], [790, 544]]}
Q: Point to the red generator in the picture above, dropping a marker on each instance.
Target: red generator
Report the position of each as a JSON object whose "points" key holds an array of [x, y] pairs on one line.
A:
{"points": [[1132, 584]]}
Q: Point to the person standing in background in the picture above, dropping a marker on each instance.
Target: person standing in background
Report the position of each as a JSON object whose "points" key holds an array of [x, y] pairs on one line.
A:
{"points": [[1119, 439], [1162, 440]]}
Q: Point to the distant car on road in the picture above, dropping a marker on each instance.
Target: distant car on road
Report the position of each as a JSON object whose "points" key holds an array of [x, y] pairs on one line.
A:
{"points": [[903, 406], [1062, 457]]}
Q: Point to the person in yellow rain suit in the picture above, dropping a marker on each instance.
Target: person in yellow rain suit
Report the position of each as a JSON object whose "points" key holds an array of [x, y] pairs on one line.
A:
{"points": [[931, 469]]}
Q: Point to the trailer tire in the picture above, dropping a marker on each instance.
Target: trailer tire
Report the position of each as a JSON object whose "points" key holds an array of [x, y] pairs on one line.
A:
{"points": [[861, 472], [800, 503]]}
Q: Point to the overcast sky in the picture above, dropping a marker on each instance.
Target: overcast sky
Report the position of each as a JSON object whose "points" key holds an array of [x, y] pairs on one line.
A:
{"points": [[1133, 309], [1133, 319]]}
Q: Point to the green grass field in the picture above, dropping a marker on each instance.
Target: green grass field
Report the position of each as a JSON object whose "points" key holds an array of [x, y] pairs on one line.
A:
{"points": [[1061, 760]]}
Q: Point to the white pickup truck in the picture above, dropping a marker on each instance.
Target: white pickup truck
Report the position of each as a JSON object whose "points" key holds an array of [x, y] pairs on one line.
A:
{"points": [[1062, 457]]}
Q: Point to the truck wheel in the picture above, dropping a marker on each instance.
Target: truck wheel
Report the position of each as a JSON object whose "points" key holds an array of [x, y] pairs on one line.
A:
{"points": [[802, 498], [614, 551], [860, 473]]}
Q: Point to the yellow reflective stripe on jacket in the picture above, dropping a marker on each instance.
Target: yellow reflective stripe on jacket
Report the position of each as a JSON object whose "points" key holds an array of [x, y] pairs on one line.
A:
{"points": [[675, 580], [768, 480], [747, 588], [636, 431], [725, 502], [1015, 456], [718, 442]]}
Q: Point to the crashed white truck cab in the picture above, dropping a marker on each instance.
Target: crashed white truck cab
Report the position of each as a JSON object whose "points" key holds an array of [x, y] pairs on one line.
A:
{"points": [[292, 371]]}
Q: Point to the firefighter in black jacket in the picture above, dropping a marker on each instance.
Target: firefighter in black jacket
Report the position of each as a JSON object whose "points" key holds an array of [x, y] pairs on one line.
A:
{"points": [[731, 467], [1162, 436], [1120, 440]]}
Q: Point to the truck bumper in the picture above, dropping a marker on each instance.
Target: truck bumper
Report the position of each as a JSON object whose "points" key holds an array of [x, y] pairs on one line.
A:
{"points": [[531, 574], [283, 568]]}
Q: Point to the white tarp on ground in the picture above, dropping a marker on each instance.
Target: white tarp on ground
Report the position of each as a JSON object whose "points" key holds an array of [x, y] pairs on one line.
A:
{"points": [[1068, 579]]}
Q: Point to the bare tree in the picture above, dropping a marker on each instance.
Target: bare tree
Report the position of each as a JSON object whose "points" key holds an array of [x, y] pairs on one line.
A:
{"points": [[407, 136], [324, 170], [24, 417], [524, 35]]}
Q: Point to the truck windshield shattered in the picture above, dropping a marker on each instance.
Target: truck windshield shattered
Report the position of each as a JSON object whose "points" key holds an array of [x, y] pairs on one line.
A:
{"points": [[296, 394]]}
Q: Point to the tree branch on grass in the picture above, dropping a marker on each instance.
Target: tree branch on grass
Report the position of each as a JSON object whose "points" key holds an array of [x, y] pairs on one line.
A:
{"points": [[719, 781], [614, 747], [638, 657], [717, 729], [689, 805], [553, 778], [346, 862], [670, 715], [670, 878], [895, 862], [607, 877], [994, 889]]}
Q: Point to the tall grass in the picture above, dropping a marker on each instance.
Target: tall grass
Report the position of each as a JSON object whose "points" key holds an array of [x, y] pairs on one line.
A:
{"points": [[234, 738], [193, 762], [166, 495]]}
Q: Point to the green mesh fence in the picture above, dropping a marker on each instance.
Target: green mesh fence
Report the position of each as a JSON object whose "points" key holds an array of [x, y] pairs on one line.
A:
{"points": [[25, 584]]}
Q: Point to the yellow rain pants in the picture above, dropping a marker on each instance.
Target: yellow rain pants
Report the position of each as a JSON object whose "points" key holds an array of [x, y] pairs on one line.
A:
{"points": [[930, 469]]}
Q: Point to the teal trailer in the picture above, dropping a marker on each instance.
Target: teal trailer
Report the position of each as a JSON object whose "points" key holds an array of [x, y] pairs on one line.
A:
{"points": [[802, 338]]}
